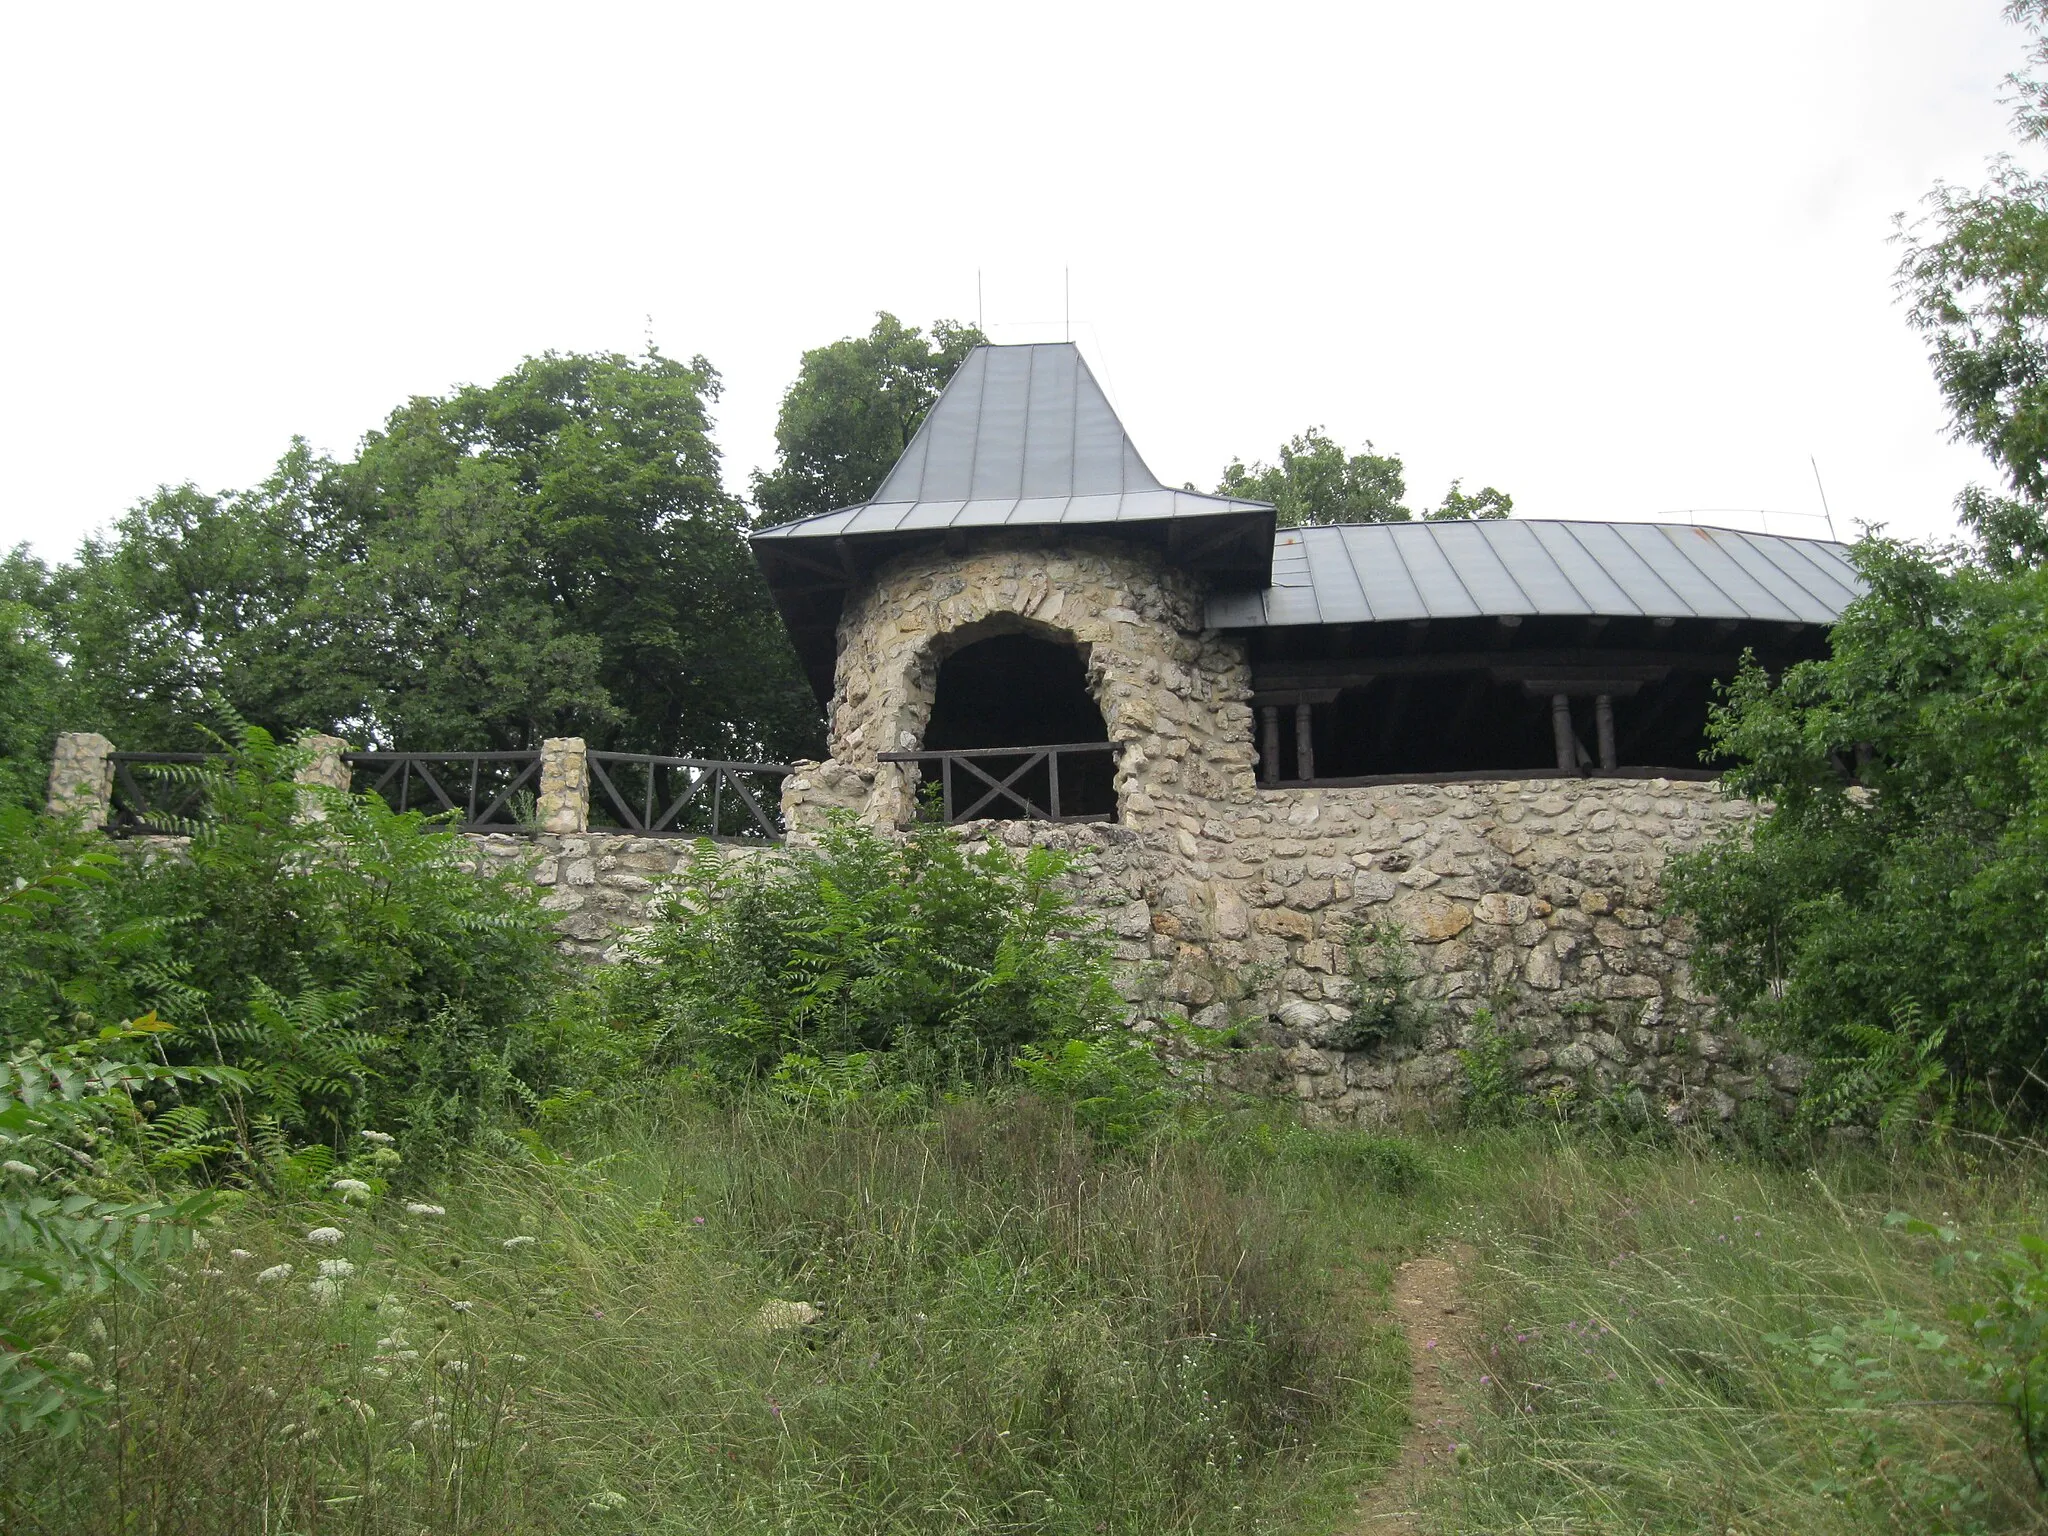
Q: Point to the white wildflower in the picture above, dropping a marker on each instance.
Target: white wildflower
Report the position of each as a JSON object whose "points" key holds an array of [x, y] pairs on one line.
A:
{"points": [[455, 1367], [78, 1360], [336, 1269], [350, 1189], [275, 1272], [781, 1316], [517, 1359], [414, 1208], [378, 1138], [16, 1165], [522, 1241], [609, 1499], [463, 1306], [213, 1274], [240, 1253], [98, 1329], [325, 1236], [326, 1292]]}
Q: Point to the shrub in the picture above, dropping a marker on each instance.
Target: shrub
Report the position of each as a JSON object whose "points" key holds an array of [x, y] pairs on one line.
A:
{"points": [[1897, 872], [1388, 1008], [353, 965], [940, 963]]}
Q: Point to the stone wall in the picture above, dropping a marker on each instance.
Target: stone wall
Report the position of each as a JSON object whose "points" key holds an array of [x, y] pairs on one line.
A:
{"points": [[1174, 696], [1535, 901]]}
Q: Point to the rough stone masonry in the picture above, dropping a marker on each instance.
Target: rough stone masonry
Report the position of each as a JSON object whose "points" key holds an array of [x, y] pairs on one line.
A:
{"points": [[1532, 904]]}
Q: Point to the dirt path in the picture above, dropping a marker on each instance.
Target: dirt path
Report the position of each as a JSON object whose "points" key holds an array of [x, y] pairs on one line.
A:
{"points": [[1429, 1303]]}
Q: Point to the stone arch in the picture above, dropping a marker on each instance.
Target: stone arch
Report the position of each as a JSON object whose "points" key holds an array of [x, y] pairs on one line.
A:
{"points": [[1173, 697]]}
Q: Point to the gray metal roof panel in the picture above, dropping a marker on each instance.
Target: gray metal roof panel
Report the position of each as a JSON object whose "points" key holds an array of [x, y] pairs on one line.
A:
{"points": [[1380, 572], [1591, 581], [1383, 577], [1027, 427], [1537, 573]]}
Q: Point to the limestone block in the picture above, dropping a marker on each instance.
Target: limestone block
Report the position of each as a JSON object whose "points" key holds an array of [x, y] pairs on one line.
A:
{"points": [[563, 804], [82, 778], [1430, 918], [1285, 923], [1501, 908]]}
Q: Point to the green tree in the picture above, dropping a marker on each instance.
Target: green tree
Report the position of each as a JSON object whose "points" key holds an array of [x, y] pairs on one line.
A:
{"points": [[1487, 504], [31, 680], [1898, 872], [195, 597], [556, 553], [1317, 481], [551, 554], [1883, 916], [852, 411]]}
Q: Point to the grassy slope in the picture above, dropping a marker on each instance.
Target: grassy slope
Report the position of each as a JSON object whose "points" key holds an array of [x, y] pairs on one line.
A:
{"points": [[1019, 1338], [1016, 1336]]}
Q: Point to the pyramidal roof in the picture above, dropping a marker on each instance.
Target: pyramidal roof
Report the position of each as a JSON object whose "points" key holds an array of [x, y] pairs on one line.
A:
{"points": [[1020, 436], [1021, 439], [1019, 421]]}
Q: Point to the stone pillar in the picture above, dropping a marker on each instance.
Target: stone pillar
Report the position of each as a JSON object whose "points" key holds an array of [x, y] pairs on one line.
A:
{"points": [[1304, 741], [82, 777], [1269, 715], [564, 785], [322, 769], [1561, 732], [1603, 717]]}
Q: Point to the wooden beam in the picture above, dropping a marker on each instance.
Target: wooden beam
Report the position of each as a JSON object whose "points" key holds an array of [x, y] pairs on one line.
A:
{"points": [[1642, 666]]}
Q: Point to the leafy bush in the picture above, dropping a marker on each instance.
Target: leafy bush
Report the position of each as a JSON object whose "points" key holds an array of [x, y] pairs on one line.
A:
{"points": [[352, 965], [1490, 1088], [1388, 1008], [1898, 870], [939, 963]]}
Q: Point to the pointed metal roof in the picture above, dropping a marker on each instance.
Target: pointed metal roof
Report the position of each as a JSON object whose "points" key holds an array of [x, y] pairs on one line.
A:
{"points": [[1022, 436]]}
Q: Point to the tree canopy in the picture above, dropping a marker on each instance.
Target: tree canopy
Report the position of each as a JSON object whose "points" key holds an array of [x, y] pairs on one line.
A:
{"points": [[852, 411], [551, 554], [1884, 916], [1317, 481]]}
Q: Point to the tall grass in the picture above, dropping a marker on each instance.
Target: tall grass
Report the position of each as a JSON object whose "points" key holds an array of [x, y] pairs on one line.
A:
{"points": [[1013, 1334], [1636, 1374]]}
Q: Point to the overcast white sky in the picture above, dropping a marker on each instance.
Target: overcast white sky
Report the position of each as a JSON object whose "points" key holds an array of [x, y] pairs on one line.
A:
{"points": [[1613, 258]]}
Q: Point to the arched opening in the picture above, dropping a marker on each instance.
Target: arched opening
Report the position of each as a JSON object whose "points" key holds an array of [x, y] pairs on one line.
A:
{"points": [[1021, 690]]}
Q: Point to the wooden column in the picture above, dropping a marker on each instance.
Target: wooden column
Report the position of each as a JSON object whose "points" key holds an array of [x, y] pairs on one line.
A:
{"points": [[1304, 742], [1603, 716], [1269, 716], [1561, 732]]}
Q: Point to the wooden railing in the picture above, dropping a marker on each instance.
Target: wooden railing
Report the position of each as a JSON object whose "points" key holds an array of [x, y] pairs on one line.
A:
{"points": [[152, 797], [1022, 793], [490, 791], [686, 797]]}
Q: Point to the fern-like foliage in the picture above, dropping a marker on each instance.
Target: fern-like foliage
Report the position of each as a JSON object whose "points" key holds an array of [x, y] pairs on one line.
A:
{"points": [[1893, 1077], [941, 963]]}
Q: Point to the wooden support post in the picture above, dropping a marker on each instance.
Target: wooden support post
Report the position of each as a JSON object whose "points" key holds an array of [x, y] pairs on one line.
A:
{"points": [[1561, 732], [1304, 742], [1270, 756], [1603, 716]]}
